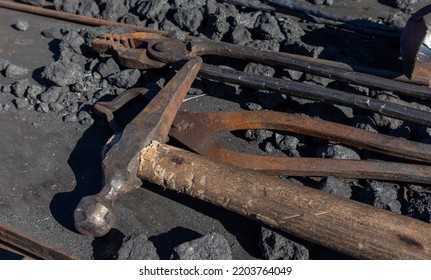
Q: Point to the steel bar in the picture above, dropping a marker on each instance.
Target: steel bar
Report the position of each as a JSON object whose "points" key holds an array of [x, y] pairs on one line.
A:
{"points": [[254, 4], [323, 167], [30, 247], [72, 17], [363, 26], [204, 47], [343, 225], [317, 93], [391, 31], [14, 250], [96, 22]]}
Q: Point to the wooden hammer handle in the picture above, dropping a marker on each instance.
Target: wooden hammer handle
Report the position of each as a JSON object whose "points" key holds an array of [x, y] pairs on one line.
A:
{"points": [[344, 225]]}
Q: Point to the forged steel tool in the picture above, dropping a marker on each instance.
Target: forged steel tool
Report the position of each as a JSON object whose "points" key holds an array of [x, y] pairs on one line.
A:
{"points": [[397, 76], [338, 65], [416, 45], [138, 151], [147, 50], [199, 133], [94, 215], [344, 225]]}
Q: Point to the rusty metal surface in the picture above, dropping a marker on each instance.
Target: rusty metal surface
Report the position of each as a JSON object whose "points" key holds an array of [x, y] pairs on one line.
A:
{"points": [[142, 50], [199, 133], [168, 50], [71, 17], [130, 50], [316, 66], [94, 215], [327, 95], [416, 45], [200, 47], [28, 246]]}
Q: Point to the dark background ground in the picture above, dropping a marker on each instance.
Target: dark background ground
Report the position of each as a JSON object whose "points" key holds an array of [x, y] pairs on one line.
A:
{"points": [[47, 165]]}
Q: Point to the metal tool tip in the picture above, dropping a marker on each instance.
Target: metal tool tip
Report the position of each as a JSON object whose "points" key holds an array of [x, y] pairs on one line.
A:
{"points": [[93, 217]]}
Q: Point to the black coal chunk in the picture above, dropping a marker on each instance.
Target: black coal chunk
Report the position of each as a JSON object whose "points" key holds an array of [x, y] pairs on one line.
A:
{"points": [[63, 72], [334, 186], [419, 206], [137, 247], [213, 246], [275, 246], [383, 195], [125, 79]]}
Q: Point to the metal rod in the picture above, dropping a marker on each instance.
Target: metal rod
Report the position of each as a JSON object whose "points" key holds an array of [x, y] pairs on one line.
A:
{"points": [[388, 30], [96, 22], [317, 93], [308, 65], [72, 17], [29, 246]]}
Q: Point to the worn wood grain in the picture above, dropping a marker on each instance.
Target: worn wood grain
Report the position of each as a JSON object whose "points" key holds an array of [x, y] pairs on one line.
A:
{"points": [[341, 224]]}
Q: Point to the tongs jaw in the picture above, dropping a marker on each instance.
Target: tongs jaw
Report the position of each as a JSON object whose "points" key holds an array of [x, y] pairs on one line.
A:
{"points": [[416, 45], [130, 50], [142, 50]]}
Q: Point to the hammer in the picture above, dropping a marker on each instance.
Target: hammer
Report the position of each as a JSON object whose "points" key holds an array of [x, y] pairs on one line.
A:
{"points": [[138, 153]]}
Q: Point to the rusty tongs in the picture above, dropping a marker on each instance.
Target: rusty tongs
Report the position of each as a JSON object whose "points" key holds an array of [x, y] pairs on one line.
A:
{"points": [[143, 50], [94, 215]]}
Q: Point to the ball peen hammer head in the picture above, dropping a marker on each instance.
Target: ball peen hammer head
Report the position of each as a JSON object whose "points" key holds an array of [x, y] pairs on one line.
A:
{"points": [[93, 217]]}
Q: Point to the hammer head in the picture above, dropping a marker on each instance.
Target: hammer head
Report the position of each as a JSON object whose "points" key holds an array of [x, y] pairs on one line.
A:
{"points": [[93, 217], [416, 45]]}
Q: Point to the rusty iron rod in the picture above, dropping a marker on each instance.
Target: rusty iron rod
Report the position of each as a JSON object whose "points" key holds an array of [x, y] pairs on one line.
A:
{"points": [[28, 246], [337, 223], [14, 250], [97, 22], [316, 12], [73, 17], [324, 167], [358, 25], [308, 65], [327, 95]]}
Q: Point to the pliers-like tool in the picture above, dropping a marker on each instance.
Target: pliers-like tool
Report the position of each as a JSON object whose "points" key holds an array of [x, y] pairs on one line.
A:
{"points": [[94, 215]]}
